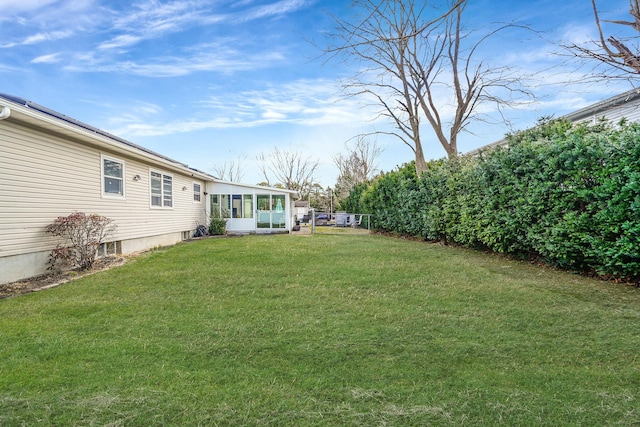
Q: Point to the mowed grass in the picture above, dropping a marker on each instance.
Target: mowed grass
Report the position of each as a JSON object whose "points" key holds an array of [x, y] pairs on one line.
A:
{"points": [[324, 330]]}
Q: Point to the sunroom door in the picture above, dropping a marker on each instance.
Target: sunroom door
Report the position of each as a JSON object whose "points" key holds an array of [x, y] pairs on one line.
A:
{"points": [[263, 207], [278, 213]]}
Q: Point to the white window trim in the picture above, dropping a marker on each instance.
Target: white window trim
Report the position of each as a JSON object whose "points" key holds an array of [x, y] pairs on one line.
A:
{"points": [[173, 193], [194, 192], [124, 174]]}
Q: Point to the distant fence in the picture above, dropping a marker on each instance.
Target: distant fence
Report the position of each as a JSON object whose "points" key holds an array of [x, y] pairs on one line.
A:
{"points": [[340, 219]]}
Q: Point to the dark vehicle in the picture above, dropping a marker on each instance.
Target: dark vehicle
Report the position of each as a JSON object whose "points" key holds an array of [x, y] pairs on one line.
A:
{"points": [[322, 219]]}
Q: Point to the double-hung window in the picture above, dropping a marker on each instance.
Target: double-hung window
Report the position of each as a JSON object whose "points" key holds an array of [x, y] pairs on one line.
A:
{"points": [[112, 177], [196, 192], [161, 190]]}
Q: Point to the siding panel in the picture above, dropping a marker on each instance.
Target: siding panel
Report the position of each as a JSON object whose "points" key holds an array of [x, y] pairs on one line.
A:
{"points": [[43, 176]]}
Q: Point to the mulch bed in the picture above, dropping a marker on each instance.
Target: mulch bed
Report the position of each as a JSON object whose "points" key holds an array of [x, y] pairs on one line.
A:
{"points": [[49, 280]]}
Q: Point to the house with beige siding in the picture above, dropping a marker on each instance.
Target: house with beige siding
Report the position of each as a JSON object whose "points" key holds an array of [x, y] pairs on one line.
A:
{"points": [[52, 165]]}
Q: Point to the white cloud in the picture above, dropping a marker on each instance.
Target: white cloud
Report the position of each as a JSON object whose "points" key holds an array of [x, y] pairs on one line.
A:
{"points": [[46, 59], [273, 115], [42, 37], [151, 19], [304, 102], [309, 102], [206, 58], [49, 13], [275, 9], [98, 26], [578, 34], [36, 38], [9, 68], [120, 41], [10, 7], [148, 108], [38, 22]]}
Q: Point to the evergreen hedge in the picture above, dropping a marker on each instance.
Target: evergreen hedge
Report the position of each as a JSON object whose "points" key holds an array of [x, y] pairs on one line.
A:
{"points": [[566, 194]]}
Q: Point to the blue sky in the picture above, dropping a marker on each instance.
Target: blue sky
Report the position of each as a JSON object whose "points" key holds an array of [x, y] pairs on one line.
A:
{"points": [[210, 81]]}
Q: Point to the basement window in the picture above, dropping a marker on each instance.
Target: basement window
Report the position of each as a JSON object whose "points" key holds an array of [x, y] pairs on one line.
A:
{"points": [[109, 248]]}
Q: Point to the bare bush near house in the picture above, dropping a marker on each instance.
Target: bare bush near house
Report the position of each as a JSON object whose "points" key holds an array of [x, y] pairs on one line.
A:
{"points": [[82, 236]]}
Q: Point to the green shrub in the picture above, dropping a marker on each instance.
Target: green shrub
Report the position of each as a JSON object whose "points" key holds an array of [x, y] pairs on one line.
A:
{"points": [[217, 226], [567, 194]]}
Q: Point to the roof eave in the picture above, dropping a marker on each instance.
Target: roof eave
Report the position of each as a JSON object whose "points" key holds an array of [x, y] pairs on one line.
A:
{"points": [[255, 186], [91, 135]]}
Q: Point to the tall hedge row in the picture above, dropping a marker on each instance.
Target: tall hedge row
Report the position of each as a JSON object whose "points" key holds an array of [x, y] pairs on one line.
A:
{"points": [[568, 194]]}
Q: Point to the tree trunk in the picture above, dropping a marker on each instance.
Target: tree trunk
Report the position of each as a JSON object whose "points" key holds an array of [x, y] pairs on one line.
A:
{"points": [[421, 164]]}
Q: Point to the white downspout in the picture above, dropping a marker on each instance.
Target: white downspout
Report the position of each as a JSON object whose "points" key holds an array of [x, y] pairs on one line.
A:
{"points": [[5, 112]]}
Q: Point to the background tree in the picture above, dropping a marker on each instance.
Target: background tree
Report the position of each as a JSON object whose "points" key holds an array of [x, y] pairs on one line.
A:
{"points": [[231, 171], [289, 169], [418, 67], [622, 52], [321, 198], [356, 167]]}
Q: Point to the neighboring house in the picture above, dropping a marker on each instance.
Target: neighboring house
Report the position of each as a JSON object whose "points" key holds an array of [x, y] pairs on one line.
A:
{"points": [[52, 165], [301, 210], [625, 105]]}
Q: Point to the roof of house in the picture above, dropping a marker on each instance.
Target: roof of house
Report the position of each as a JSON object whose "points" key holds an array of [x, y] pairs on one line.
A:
{"points": [[257, 186], [30, 108], [603, 106], [595, 110]]}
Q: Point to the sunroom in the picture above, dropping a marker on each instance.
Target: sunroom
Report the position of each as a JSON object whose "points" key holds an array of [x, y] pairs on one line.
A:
{"points": [[251, 208]]}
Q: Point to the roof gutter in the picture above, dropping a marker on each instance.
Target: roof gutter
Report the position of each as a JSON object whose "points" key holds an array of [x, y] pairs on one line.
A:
{"points": [[5, 112], [96, 135]]}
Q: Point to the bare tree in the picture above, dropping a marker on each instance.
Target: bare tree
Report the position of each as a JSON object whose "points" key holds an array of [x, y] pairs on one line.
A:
{"points": [[231, 171], [289, 169], [356, 167], [614, 51], [418, 68]]}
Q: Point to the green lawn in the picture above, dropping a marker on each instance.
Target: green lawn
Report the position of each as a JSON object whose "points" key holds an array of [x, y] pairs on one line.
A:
{"points": [[329, 329]]}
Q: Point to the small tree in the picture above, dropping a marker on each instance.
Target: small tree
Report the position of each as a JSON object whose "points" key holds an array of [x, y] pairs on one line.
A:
{"points": [[320, 198], [359, 166], [82, 236]]}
